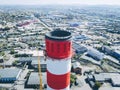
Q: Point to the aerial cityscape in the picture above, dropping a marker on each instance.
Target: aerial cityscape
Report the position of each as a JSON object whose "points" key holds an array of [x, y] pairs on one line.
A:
{"points": [[59, 47]]}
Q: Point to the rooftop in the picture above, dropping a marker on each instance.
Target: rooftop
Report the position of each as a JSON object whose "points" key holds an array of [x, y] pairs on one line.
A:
{"points": [[9, 72], [76, 65], [33, 52], [34, 78], [115, 79], [42, 61]]}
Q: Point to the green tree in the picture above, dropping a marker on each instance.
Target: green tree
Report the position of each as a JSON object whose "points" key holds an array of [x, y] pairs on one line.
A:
{"points": [[97, 85], [15, 63], [72, 78], [12, 51], [2, 53]]}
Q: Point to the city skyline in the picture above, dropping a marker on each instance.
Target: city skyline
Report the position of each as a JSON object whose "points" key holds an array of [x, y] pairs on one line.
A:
{"points": [[69, 2]]}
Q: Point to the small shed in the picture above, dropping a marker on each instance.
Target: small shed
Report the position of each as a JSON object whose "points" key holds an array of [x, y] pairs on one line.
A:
{"points": [[77, 68]]}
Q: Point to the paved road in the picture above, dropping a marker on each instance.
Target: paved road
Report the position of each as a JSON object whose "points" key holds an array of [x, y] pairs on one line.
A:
{"points": [[44, 24]]}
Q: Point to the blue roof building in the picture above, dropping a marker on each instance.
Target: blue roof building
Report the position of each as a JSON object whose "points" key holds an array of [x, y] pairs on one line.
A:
{"points": [[74, 24], [79, 49], [9, 75]]}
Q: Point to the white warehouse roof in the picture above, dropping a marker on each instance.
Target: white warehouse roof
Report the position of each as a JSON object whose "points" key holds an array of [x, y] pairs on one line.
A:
{"points": [[95, 53]]}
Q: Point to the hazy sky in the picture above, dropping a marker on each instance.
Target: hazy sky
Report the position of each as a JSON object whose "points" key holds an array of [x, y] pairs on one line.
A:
{"points": [[89, 2]]}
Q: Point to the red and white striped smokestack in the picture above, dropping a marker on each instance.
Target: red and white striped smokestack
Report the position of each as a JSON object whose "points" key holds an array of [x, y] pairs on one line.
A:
{"points": [[59, 52]]}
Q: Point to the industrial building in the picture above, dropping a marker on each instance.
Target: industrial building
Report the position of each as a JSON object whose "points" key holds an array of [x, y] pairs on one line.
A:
{"points": [[79, 49], [109, 51], [43, 63], [116, 54], [95, 54], [80, 38], [34, 81], [33, 62], [113, 78], [30, 59], [27, 59], [9, 75]]}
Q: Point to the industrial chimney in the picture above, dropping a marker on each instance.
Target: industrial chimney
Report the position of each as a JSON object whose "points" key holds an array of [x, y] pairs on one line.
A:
{"points": [[59, 52]]}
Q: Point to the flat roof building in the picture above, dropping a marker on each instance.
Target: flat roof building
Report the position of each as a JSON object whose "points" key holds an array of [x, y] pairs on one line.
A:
{"points": [[115, 79], [95, 54], [43, 63], [79, 49], [34, 81], [9, 75]]}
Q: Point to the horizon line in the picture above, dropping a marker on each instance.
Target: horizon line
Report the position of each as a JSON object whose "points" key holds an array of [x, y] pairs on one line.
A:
{"points": [[61, 4]]}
